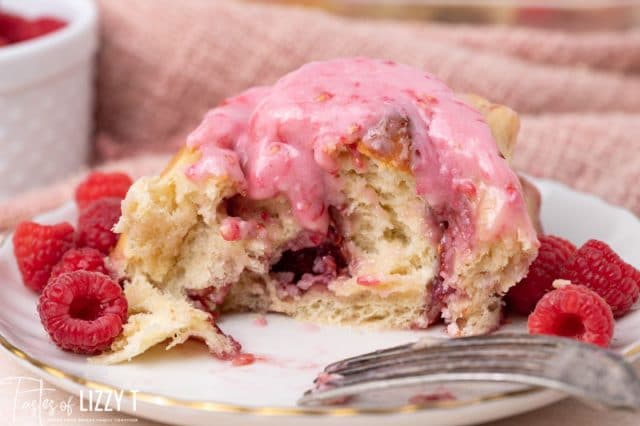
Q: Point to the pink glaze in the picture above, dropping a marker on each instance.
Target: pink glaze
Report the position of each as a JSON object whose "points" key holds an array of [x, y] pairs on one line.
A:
{"points": [[281, 140], [219, 135]]}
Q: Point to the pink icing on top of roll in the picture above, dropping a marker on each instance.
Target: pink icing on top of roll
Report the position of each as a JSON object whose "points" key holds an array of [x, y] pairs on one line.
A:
{"points": [[281, 140]]}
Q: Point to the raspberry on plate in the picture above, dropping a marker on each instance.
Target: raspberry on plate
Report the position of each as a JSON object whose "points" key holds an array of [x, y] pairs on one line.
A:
{"points": [[597, 266], [96, 222], [102, 185], [552, 255], [38, 248], [82, 259], [573, 311], [83, 311]]}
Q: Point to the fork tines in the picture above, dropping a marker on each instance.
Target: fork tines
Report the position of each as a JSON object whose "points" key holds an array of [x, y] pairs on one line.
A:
{"points": [[564, 364], [429, 347]]}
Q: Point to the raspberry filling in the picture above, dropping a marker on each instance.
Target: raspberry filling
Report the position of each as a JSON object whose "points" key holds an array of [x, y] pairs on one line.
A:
{"points": [[437, 299], [327, 258], [299, 269], [208, 299]]}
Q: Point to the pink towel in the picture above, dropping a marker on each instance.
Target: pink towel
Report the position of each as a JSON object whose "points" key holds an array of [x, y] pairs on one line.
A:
{"points": [[161, 67]]}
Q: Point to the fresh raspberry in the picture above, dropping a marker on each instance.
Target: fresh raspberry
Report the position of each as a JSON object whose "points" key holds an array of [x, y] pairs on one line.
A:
{"points": [[82, 259], [38, 248], [573, 311], [102, 185], [96, 222], [597, 266], [83, 311], [552, 255]]}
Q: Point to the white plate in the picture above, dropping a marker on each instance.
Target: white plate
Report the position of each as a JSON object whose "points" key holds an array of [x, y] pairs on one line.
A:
{"points": [[188, 386]]}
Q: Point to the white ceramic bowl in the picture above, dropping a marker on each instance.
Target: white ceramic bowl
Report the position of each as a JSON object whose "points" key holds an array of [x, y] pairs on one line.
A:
{"points": [[46, 96]]}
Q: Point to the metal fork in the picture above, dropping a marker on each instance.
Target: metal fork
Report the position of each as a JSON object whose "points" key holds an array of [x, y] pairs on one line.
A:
{"points": [[578, 369]]}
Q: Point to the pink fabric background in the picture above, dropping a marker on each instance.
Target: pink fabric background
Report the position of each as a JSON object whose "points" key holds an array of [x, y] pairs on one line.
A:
{"points": [[162, 66]]}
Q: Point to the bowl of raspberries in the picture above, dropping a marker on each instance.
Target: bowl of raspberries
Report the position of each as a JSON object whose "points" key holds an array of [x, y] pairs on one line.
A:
{"points": [[47, 53]]}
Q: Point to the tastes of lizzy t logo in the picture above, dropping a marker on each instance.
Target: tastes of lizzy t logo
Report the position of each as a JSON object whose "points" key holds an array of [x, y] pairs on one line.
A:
{"points": [[29, 400]]}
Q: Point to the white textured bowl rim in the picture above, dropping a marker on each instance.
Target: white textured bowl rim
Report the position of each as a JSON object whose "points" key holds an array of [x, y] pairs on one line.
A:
{"points": [[26, 63]]}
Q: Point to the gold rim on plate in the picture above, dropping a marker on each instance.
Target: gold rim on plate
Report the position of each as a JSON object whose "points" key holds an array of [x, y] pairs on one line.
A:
{"points": [[221, 407]]}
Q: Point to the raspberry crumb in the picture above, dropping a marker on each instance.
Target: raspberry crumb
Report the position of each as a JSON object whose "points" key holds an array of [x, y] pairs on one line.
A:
{"points": [[552, 255], [38, 248], [425, 398], [324, 380], [596, 266], [83, 311], [260, 321], [368, 281], [230, 229], [82, 259], [96, 222], [573, 311], [243, 359], [310, 327], [100, 185]]}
